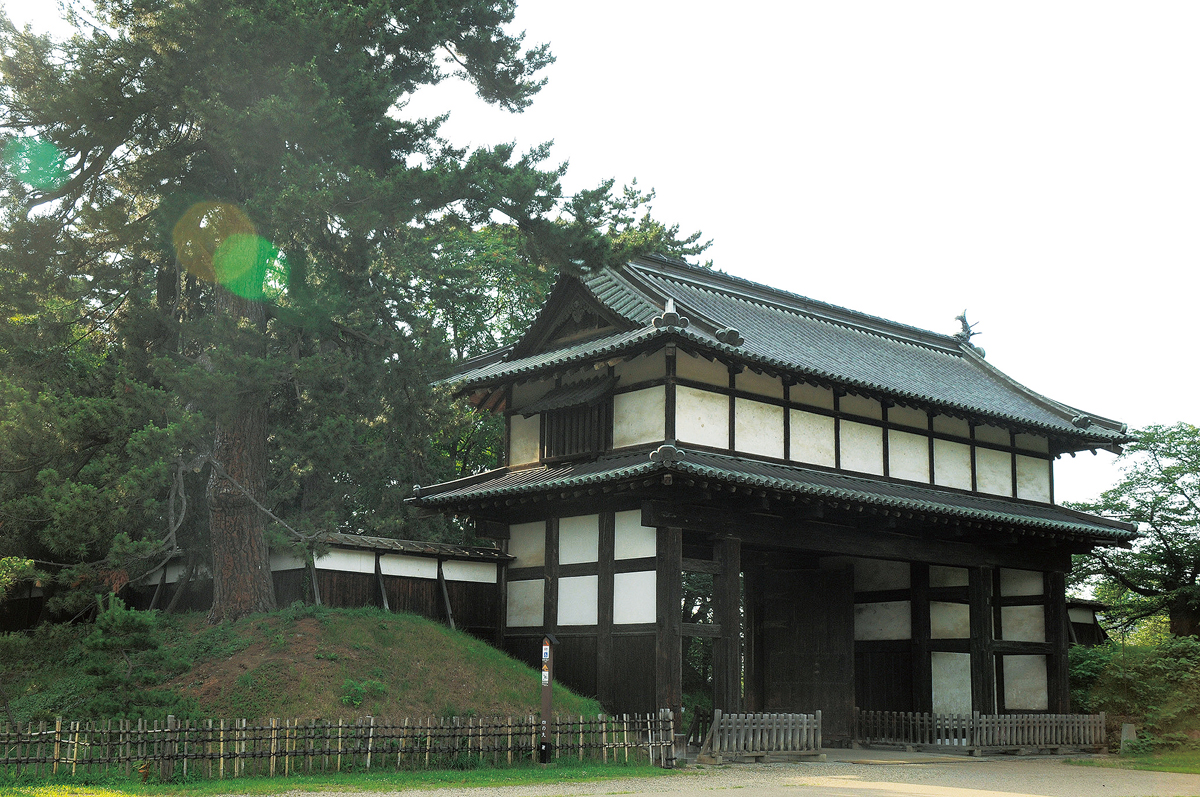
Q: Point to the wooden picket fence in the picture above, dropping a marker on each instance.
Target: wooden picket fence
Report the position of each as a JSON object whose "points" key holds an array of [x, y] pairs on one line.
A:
{"points": [[977, 733], [742, 737], [239, 748]]}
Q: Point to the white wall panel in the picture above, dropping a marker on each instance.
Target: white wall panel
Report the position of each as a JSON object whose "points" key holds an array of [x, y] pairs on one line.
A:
{"points": [[577, 600], [955, 426], [633, 540], [812, 395], [949, 620], [940, 576], [698, 369], [863, 407], [1033, 442], [578, 539], [348, 561], [758, 428], [528, 392], [993, 471], [1023, 623], [1020, 582], [761, 384], [414, 566], [890, 620], [524, 439], [640, 416], [280, 560], [993, 434], [862, 448], [813, 439], [642, 368], [527, 542], [1025, 683], [1033, 478], [907, 416], [951, 683], [952, 464], [908, 456], [1081, 615], [701, 417], [526, 603], [478, 572], [634, 598], [874, 574]]}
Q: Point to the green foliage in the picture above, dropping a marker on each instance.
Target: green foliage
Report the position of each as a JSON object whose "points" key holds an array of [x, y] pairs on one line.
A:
{"points": [[1155, 687], [1160, 493]]}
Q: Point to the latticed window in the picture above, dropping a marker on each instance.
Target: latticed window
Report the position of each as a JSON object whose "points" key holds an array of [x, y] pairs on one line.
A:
{"points": [[577, 431]]}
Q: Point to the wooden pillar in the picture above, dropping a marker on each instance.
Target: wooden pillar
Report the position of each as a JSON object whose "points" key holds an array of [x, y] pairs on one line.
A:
{"points": [[983, 667], [727, 607], [752, 701], [605, 674], [668, 649], [1058, 686], [550, 606], [922, 662]]}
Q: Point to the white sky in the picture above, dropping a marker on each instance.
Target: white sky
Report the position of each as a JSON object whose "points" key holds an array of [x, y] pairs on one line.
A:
{"points": [[1037, 163]]}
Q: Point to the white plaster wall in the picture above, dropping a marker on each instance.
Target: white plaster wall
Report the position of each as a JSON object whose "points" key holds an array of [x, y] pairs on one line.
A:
{"points": [[875, 574], [578, 539], [908, 456], [1023, 623], [758, 428], [812, 395], [761, 384], [1025, 683], [907, 416], [280, 560], [1033, 478], [524, 439], [993, 471], [940, 576], [479, 572], [1020, 582], [1081, 615], [949, 620], [812, 438], [890, 620], [862, 447], [527, 542], [349, 561], [577, 600], [528, 392], [413, 566], [701, 417], [640, 416], [1033, 442], [642, 368], [634, 597], [863, 407], [698, 369], [992, 434], [955, 426], [951, 683], [526, 603], [952, 464], [632, 539]]}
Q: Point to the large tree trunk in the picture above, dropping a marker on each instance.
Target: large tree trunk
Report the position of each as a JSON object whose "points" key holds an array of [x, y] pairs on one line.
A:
{"points": [[241, 559], [1185, 621]]}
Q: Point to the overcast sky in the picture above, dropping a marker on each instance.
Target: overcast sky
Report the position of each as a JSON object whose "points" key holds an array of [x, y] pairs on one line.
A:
{"points": [[1037, 163]]}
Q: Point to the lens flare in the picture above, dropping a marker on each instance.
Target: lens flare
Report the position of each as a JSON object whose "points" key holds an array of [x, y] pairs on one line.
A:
{"points": [[247, 265], [35, 162], [217, 242]]}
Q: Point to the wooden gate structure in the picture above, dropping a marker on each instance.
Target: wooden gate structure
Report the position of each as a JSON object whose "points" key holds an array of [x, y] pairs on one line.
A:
{"points": [[874, 502]]}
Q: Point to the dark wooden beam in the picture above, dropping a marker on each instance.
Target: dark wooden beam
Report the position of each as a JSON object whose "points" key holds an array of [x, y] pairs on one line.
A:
{"points": [[1058, 632], [708, 630], [701, 566], [805, 535], [550, 612], [983, 668], [727, 607], [668, 658], [922, 662], [605, 670]]}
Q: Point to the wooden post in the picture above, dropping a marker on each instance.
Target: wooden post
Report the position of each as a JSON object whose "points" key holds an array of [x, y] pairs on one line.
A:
{"points": [[441, 577], [922, 661], [550, 618], [727, 606], [383, 598], [605, 667], [1058, 685], [983, 667], [668, 669], [57, 742]]}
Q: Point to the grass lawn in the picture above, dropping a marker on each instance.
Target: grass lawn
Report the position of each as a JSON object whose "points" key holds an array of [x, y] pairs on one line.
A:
{"points": [[1176, 761], [375, 781]]}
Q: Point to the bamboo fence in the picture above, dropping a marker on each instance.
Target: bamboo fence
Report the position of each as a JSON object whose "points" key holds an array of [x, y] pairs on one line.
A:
{"points": [[279, 747]]}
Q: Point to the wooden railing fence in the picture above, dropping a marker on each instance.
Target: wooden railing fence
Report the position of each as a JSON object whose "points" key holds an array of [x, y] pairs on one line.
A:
{"points": [[980, 731], [239, 748], [747, 736]]}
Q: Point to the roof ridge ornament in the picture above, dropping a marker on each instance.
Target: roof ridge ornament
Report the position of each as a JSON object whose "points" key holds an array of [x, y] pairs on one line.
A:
{"points": [[670, 318], [666, 454], [730, 336], [968, 331]]}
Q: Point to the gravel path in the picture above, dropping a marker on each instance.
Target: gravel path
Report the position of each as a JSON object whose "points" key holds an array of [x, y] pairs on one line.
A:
{"points": [[960, 777]]}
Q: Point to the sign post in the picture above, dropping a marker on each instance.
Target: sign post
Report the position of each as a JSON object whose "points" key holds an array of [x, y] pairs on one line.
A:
{"points": [[544, 746]]}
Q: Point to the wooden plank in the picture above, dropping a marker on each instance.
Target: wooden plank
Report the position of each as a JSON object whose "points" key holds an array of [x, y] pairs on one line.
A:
{"points": [[706, 630], [983, 681], [668, 669], [807, 535], [605, 670]]}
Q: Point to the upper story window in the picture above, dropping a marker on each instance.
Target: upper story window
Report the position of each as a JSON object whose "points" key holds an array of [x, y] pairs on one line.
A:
{"points": [[578, 430]]}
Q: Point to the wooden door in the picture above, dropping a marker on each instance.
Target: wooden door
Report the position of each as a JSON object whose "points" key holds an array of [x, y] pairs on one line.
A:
{"points": [[807, 643]]}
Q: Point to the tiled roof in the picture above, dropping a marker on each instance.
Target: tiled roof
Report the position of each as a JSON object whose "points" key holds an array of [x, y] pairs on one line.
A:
{"points": [[415, 547], [586, 391], [793, 335], [788, 479]]}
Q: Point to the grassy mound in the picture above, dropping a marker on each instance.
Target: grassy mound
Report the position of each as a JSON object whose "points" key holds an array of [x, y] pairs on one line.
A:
{"points": [[300, 662]]}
